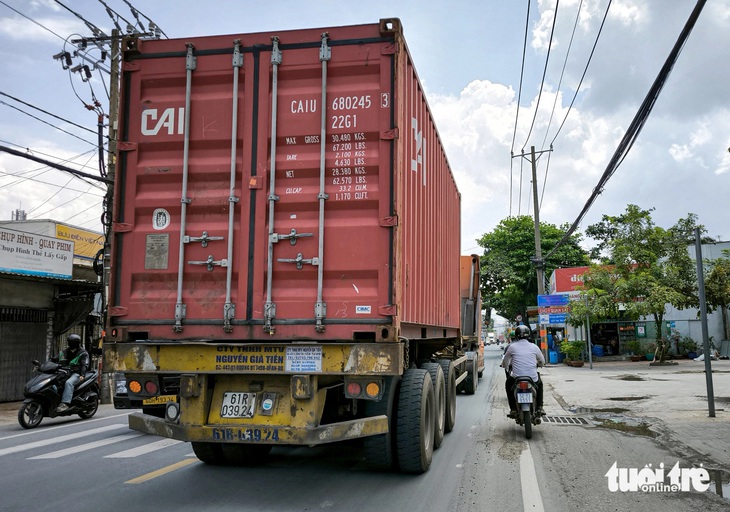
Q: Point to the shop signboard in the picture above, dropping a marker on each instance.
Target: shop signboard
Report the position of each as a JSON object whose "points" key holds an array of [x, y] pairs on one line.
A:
{"points": [[35, 255]]}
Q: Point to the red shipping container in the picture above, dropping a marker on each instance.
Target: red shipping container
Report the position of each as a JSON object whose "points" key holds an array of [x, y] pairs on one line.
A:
{"points": [[281, 186]]}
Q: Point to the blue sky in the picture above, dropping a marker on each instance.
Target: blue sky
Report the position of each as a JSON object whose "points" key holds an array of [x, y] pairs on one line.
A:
{"points": [[468, 55]]}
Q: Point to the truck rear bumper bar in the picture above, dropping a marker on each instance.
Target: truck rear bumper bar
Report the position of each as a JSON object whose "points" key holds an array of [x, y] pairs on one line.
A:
{"points": [[261, 434]]}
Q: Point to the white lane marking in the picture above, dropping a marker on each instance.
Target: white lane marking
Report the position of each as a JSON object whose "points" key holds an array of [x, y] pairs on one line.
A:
{"points": [[531, 498], [85, 447], [60, 439], [64, 425], [141, 450]]}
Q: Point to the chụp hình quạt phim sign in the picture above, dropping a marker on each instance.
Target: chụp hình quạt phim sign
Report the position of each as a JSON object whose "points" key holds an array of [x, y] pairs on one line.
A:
{"points": [[35, 255]]}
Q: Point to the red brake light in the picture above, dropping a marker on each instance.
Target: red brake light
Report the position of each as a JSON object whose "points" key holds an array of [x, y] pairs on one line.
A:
{"points": [[523, 385], [150, 387]]}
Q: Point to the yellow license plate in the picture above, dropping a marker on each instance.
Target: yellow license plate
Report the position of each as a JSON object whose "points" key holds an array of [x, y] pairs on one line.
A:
{"points": [[159, 400]]}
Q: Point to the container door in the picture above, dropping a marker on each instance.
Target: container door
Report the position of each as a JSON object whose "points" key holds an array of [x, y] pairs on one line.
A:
{"points": [[330, 213]]}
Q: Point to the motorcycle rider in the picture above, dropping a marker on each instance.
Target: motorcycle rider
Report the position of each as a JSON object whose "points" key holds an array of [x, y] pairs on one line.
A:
{"points": [[78, 359], [521, 359]]}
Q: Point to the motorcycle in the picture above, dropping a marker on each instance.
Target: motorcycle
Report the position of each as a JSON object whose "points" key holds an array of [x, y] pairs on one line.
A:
{"points": [[525, 394], [43, 393]]}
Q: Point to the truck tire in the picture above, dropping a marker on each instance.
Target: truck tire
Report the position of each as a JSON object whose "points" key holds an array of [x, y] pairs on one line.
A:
{"points": [[450, 384], [415, 423], [210, 453], [439, 391], [380, 450], [472, 380]]}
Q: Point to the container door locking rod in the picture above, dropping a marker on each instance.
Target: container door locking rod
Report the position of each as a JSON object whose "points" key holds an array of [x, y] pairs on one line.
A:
{"points": [[320, 308], [270, 307], [190, 65], [229, 309]]}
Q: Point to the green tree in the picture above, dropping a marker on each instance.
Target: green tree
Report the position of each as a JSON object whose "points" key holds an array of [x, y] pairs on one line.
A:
{"points": [[717, 288], [509, 283], [642, 268]]}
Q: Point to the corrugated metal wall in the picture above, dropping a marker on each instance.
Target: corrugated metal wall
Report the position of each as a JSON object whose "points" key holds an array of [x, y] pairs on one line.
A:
{"points": [[22, 339]]}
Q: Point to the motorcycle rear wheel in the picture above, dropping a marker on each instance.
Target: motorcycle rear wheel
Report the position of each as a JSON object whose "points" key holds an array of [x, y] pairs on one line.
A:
{"points": [[527, 418], [30, 414]]}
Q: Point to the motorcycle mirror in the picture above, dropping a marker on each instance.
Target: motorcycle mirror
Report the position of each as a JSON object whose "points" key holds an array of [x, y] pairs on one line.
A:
{"points": [[36, 362]]}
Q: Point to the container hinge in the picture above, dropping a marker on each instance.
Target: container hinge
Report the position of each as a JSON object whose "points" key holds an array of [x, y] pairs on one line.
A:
{"points": [[390, 49], [320, 313], [391, 221], [204, 239], [389, 134], [126, 146], [292, 236], [191, 62], [180, 312], [269, 315], [210, 262], [122, 227], [299, 260], [389, 310], [229, 313]]}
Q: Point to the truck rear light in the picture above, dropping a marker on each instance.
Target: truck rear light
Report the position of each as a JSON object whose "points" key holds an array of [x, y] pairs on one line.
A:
{"points": [[364, 389], [354, 389], [134, 386], [151, 388], [372, 390]]}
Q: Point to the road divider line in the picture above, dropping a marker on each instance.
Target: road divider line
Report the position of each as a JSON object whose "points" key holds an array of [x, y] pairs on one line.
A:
{"points": [[531, 498], [162, 471]]}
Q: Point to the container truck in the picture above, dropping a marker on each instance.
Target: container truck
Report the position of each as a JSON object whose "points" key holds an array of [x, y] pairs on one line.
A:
{"points": [[285, 264]]}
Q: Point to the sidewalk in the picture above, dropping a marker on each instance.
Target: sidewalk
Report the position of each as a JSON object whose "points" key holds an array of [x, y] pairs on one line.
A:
{"points": [[670, 400]]}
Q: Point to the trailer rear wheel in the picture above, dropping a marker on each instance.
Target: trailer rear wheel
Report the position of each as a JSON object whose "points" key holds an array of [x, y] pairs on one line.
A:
{"points": [[380, 450], [450, 395], [472, 380], [415, 424], [210, 453], [439, 391]]}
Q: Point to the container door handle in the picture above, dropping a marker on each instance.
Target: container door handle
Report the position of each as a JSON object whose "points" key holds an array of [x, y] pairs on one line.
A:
{"points": [[299, 260]]}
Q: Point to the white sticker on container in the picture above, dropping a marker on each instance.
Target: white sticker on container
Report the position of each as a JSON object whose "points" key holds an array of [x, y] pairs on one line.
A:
{"points": [[306, 359], [160, 219], [363, 310]]}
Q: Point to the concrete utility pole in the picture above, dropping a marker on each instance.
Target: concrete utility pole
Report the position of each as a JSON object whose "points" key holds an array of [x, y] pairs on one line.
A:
{"points": [[107, 389], [539, 264]]}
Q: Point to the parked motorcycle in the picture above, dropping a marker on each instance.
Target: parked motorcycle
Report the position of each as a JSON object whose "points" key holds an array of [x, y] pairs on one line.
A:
{"points": [[525, 394], [43, 393]]}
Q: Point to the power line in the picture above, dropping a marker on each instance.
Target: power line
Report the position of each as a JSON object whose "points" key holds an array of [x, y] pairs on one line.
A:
{"points": [[55, 165], [46, 122], [32, 20], [519, 99], [94, 29], [46, 112], [585, 70], [544, 72], [637, 123]]}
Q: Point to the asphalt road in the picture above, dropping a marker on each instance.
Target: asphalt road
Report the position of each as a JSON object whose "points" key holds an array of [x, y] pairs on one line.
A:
{"points": [[485, 463]]}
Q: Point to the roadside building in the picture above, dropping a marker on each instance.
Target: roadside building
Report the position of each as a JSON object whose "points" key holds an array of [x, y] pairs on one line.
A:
{"points": [[48, 289], [612, 335]]}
